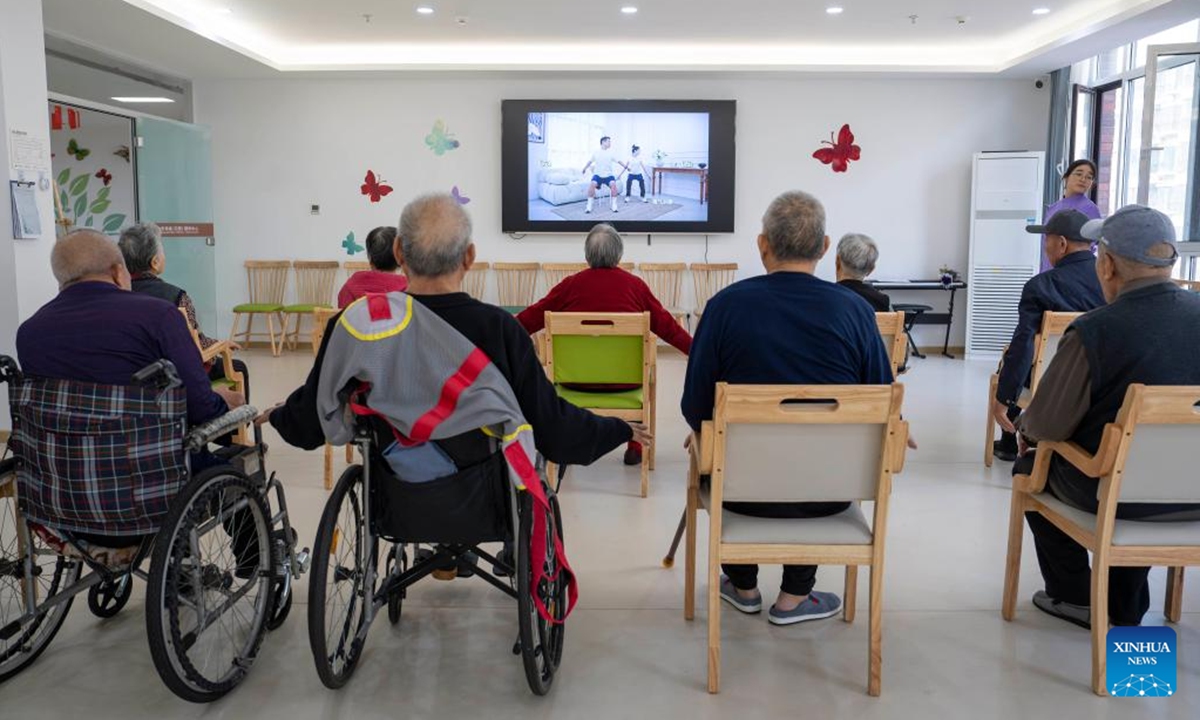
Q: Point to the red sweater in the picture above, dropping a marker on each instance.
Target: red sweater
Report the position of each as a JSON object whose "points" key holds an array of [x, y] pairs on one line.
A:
{"points": [[606, 290], [370, 281]]}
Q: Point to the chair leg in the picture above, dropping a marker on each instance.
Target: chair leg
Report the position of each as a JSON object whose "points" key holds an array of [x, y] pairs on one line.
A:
{"points": [[1012, 561], [850, 593], [689, 557], [328, 466], [350, 454], [552, 474], [875, 632], [645, 473], [1099, 622], [989, 435], [1173, 606], [271, 334], [714, 619], [233, 330]]}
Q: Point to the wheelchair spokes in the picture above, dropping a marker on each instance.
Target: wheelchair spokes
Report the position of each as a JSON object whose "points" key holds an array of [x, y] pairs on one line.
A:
{"points": [[541, 641]]}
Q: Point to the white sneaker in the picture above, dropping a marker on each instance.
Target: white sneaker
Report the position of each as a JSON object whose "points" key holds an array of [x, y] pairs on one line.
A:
{"points": [[626, 199], [643, 199]]}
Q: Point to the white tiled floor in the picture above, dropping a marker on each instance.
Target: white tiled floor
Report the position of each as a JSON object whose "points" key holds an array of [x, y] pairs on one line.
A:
{"points": [[629, 653]]}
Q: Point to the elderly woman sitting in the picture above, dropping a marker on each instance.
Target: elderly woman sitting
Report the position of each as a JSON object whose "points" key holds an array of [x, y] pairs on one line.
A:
{"points": [[141, 246], [605, 287], [856, 257]]}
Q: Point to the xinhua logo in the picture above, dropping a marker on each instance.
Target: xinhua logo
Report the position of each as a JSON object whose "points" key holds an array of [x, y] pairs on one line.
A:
{"points": [[1141, 662]]}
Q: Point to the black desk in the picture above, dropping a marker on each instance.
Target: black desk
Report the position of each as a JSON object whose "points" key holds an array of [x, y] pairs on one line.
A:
{"points": [[945, 318]]}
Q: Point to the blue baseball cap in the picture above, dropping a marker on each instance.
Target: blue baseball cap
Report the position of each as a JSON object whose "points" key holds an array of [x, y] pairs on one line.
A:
{"points": [[1132, 231]]}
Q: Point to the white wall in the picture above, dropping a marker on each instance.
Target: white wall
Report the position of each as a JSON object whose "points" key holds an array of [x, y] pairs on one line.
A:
{"points": [[281, 145]]}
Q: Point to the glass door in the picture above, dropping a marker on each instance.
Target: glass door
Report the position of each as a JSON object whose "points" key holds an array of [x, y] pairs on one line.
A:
{"points": [[1167, 173], [174, 171]]}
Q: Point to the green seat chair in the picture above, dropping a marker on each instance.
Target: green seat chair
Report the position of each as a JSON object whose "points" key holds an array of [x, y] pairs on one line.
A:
{"points": [[267, 283], [314, 290]]}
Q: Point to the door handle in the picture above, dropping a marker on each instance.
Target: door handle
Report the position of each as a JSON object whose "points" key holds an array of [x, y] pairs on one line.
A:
{"points": [[210, 241]]}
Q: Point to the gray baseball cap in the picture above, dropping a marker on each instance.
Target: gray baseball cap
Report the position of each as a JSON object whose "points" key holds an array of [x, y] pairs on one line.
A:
{"points": [[1131, 232]]}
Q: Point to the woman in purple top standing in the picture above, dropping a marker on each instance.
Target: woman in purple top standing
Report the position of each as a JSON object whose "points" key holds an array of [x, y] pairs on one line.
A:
{"points": [[1077, 182]]}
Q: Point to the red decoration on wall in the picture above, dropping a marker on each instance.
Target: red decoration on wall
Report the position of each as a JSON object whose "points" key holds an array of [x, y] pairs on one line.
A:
{"points": [[104, 175], [56, 118], [74, 119], [376, 189], [840, 153]]}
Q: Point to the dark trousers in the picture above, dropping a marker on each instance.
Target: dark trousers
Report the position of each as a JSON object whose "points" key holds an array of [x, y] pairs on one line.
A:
{"points": [[797, 579], [640, 181], [1064, 562]]}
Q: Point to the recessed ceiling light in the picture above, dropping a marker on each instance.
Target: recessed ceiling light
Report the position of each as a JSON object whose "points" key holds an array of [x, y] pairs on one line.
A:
{"points": [[143, 99], [834, 10], [629, 10], [1041, 11], [424, 10]]}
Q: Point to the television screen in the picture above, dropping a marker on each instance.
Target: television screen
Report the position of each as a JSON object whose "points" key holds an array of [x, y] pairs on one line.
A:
{"points": [[653, 166]]}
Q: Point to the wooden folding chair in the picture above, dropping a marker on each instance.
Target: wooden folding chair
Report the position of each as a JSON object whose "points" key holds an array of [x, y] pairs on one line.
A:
{"points": [[557, 272], [795, 443], [475, 282], [267, 283], [666, 283], [1045, 346], [515, 283], [1146, 456], [353, 266], [891, 329], [709, 279], [315, 281], [605, 348], [321, 318], [234, 380]]}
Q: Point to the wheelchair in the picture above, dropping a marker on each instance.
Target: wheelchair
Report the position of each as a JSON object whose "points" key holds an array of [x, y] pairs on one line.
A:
{"points": [[419, 528], [96, 466]]}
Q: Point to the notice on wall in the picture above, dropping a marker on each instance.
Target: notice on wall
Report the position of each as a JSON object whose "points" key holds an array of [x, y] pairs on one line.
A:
{"points": [[27, 152], [26, 221]]}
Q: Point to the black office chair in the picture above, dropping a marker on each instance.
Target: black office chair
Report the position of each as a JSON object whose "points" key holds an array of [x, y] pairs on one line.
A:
{"points": [[912, 311]]}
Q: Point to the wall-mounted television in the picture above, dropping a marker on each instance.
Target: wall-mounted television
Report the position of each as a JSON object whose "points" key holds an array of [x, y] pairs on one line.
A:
{"points": [[643, 166]]}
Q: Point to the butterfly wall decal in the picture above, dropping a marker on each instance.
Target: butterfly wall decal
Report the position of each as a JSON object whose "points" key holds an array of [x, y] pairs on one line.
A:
{"points": [[122, 152], [374, 188], [104, 175], [73, 148], [440, 141], [462, 199], [840, 153], [352, 248]]}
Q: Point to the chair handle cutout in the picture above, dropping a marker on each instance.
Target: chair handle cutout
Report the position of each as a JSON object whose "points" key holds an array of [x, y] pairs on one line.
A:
{"points": [[809, 405]]}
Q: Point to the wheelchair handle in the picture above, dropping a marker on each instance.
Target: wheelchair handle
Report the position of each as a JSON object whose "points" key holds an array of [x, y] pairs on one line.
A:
{"points": [[9, 372], [203, 434], [164, 369]]}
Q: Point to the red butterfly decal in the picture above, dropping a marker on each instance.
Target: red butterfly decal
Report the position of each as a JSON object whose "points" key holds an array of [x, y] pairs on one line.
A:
{"points": [[839, 154], [104, 175], [376, 189]]}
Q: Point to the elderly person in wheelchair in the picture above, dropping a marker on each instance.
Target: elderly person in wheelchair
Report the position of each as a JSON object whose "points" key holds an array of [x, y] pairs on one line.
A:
{"points": [[112, 418], [446, 400]]}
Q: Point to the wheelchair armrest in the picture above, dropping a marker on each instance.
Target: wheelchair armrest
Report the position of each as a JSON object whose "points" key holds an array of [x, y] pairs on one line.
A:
{"points": [[203, 434]]}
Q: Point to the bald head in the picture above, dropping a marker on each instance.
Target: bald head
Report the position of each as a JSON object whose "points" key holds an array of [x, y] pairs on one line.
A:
{"points": [[435, 235], [87, 255]]}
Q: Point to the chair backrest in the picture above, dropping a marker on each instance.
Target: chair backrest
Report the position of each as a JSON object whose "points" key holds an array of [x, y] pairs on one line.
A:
{"points": [[321, 318], [709, 279], [1054, 324], [353, 266], [601, 348], [665, 281], [193, 331], [891, 329], [626, 266], [1155, 461], [267, 280], [799, 443], [315, 280], [557, 272], [475, 282], [515, 282], [1193, 285]]}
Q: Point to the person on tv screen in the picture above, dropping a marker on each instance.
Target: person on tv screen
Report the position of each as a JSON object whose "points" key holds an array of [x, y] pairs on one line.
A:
{"points": [[637, 171], [602, 163]]}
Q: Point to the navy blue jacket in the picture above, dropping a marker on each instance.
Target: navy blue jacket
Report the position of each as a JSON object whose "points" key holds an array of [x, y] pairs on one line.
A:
{"points": [[785, 328], [1070, 286]]}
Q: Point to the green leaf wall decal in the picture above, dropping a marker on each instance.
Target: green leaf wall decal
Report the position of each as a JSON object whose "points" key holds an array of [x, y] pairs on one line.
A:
{"points": [[113, 222], [79, 184]]}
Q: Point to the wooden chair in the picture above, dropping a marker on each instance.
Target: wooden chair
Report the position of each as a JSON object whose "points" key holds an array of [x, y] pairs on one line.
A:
{"points": [[666, 282], [557, 272], [709, 279], [234, 380], [891, 329], [315, 281], [353, 266], [1146, 456], [515, 284], [475, 282], [267, 282], [321, 317], [626, 266], [1045, 345], [605, 348], [795, 443]]}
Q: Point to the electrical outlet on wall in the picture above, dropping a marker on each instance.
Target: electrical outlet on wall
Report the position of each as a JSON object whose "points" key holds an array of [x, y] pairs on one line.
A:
{"points": [[314, 209]]}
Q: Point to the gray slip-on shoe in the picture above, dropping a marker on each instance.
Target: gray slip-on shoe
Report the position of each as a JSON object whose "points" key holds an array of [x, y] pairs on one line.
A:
{"points": [[729, 594], [1080, 615], [817, 606]]}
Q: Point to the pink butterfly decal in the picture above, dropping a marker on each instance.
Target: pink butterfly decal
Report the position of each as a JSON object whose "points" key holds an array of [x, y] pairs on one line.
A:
{"points": [[839, 154], [462, 199]]}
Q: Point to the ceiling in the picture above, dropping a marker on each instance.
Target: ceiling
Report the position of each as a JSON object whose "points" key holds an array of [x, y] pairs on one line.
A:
{"points": [[195, 39]]}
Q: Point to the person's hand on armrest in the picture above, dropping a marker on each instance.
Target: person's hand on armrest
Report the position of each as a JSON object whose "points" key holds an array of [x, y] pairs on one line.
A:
{"points": [[264, 417], [1000, 413], [232, 398]]}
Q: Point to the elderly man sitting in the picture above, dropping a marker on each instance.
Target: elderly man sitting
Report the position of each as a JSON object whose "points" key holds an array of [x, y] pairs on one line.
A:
{"points": [[805, 331], [856, 258], [605, 287], [1148, 333], [383, 277], [96, 331]]}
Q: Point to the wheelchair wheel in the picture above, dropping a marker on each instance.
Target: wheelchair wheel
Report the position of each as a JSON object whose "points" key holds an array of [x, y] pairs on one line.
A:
{"points": [[338, 594], [396, 597], [21, 644], [106, 599], [282, 591], [210, 586], [541, 641]]}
